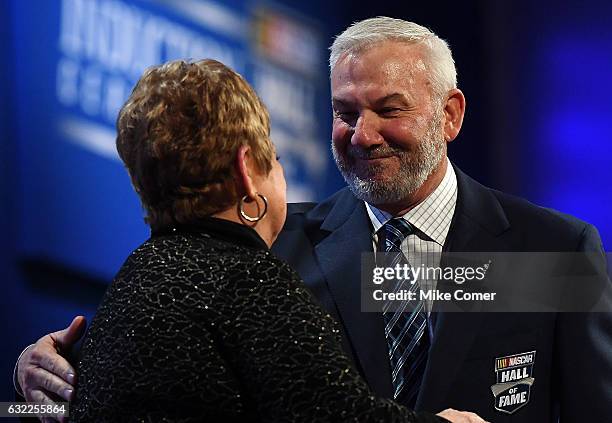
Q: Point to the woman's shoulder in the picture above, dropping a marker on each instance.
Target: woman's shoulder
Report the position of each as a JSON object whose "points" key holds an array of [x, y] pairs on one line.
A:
{"points": [[191, 247], [187, 258], [200, 277]]}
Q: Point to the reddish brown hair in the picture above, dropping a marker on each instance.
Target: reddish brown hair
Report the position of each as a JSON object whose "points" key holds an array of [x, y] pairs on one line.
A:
{"points": [[178, 135]]}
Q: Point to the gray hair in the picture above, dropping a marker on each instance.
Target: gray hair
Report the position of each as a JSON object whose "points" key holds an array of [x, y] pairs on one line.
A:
{"points": [[363, 34]]}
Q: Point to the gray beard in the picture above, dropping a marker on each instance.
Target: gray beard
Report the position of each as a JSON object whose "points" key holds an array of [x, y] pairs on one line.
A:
{"points": [[416, 167]]}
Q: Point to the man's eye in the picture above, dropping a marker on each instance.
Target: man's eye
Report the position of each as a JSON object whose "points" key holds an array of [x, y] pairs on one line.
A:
{"points": [[389, 110], [345, 115]]}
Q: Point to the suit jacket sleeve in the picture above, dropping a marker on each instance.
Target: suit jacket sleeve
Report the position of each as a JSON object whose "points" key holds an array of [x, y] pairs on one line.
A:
{"points": [[584, 351]]}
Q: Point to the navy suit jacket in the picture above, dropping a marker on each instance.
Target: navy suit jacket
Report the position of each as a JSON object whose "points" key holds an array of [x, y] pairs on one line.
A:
{"points": [[573, 361]]}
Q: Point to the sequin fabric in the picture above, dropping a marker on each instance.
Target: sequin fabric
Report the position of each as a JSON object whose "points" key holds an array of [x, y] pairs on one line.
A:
{"points": [[195, 328]]}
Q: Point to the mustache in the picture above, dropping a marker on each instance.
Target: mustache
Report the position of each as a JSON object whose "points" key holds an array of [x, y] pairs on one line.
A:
{"points": [[355, 152]]}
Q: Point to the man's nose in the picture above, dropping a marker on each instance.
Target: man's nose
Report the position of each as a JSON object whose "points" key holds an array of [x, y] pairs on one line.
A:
{"points": [[366, 133]]}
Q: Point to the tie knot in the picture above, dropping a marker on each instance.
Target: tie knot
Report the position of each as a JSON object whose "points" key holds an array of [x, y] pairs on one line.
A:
{"points": [[395, 231]]}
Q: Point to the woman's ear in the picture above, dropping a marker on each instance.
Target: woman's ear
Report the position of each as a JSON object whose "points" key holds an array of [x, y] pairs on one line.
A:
{"points": [[245, 169]]}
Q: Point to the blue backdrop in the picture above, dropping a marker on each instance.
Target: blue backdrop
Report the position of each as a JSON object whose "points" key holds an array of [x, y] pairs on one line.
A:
{"points": [[75, 63]]}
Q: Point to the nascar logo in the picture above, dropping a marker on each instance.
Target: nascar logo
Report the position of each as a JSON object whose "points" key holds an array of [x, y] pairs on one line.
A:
{"points": [[514, 376]]}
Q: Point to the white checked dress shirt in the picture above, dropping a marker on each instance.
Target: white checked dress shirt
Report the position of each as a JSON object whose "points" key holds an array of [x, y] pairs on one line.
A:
{"points": [[431, 219]]}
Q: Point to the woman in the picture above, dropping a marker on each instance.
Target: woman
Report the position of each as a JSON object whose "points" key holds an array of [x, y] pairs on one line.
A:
{"points": [[202, 322]]}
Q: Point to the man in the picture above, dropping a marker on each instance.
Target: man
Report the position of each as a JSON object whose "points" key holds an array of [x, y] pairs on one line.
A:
{"points": [[396, 106]]}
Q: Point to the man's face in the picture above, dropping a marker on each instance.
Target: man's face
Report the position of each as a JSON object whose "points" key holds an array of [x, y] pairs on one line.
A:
{"points": [[387, 136]]}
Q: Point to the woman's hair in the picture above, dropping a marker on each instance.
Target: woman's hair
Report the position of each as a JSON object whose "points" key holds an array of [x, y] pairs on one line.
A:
{"points": [[178, 135]]}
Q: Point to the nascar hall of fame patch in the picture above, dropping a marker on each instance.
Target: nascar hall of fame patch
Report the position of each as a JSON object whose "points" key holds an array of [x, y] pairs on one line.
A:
{"points": [[514, 374]]}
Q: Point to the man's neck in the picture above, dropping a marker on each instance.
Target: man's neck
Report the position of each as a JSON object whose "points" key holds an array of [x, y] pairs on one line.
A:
{"points": [[429, 186]]}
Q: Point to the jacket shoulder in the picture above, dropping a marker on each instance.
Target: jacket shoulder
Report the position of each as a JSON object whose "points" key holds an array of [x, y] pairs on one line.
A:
{"points": [[537, 222], [310, 213]]}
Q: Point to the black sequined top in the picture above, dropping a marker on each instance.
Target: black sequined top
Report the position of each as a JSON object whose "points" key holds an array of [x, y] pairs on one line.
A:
{"points": [[205, 324]]}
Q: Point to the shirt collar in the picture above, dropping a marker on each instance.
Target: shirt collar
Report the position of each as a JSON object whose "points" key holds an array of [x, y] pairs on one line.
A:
{"points": [[432, 216]]}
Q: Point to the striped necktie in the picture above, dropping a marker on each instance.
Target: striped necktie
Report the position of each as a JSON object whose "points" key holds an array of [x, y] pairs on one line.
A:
{"points": [[405, 323]]}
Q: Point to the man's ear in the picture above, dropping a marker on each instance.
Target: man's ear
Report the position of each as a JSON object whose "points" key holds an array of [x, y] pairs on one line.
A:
{"points": [[454, 110], [244, 171]]}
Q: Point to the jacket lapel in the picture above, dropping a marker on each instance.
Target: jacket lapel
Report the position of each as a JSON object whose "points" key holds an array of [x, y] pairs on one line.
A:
{"points": [[339, 256], [477, 225]]}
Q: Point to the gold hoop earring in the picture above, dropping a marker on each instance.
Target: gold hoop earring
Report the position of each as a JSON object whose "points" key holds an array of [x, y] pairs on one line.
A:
{"points": [[259, 216]]}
